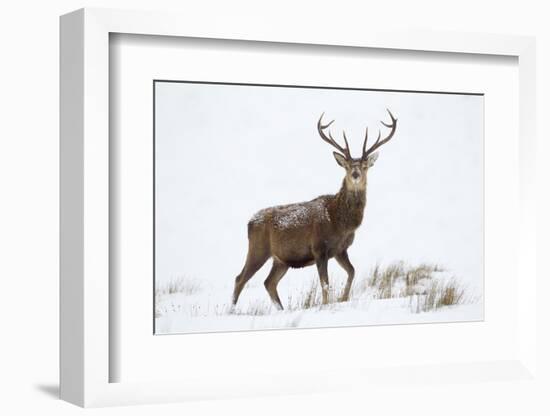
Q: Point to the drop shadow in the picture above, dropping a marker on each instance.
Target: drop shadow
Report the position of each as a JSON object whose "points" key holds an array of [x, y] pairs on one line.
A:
{"points": [[51, 390]]}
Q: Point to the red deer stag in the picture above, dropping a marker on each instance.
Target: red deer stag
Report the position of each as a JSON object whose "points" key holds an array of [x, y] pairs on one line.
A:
{"points": [[312, 232]]}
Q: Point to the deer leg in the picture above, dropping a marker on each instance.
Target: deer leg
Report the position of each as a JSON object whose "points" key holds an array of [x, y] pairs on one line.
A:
{"points": [[343, 261], [322, 268], [252, 265], [275, 275]]}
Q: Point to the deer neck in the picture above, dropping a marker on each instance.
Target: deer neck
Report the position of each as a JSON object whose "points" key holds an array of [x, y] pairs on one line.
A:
{"points": [[350, 206]]}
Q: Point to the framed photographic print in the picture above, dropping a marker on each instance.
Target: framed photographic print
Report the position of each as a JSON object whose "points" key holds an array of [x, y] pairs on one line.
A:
{"points": [[276, 192]]}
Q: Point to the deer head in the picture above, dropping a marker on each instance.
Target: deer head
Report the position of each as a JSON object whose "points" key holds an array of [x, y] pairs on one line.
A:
{"points": [[356, 168]]}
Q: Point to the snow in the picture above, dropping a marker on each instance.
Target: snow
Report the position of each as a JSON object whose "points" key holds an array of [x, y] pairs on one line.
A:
{"points": [[209, 310], [294, 215]]}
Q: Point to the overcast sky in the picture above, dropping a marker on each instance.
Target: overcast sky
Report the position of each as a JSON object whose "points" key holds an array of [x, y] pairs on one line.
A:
{"points": [[223, 152]]}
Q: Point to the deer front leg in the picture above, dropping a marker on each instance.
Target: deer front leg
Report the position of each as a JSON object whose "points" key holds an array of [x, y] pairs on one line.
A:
{"points": [[275, 275], [322, 268], [343, 261]]}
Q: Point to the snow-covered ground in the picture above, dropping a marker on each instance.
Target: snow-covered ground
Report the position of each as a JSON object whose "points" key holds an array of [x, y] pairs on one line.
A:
{"points": [[196, 306]]}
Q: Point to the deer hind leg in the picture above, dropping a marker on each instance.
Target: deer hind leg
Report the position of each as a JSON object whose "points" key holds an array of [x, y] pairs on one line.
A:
{"points": [[343, 261], [322, 268], [275, 275], [254, 262]]}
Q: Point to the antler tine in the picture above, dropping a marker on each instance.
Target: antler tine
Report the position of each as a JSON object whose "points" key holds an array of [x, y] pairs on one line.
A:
{"points": [[330, 140], [379, 142], [319, 125], [347, 145], [345, 151], [393, 119], [365, 141]]}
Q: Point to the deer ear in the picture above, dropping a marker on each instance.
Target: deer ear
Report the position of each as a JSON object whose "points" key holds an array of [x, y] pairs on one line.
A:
{"points": [[371, 159], [340, 159]]}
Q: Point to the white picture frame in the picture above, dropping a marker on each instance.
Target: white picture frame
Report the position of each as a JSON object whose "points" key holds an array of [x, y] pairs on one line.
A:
{"points": [[85, 226]]}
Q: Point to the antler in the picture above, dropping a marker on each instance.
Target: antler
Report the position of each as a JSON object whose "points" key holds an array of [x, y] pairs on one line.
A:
{"points": [[330, 140], [379, 142]]}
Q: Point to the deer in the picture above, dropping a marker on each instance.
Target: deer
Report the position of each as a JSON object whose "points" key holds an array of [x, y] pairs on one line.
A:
{"points": [[313, 232]]}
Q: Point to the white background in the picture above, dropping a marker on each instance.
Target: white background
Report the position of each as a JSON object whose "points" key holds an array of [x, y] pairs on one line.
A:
{"points": [[29, 212]]}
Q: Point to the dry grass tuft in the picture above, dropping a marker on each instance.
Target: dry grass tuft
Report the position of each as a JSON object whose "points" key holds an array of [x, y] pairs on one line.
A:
{"points": [[180, 285], [418, 283], [308, 299], [312, 296], [258, 308], [382, 280], [183, 285], [440, 294]]}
